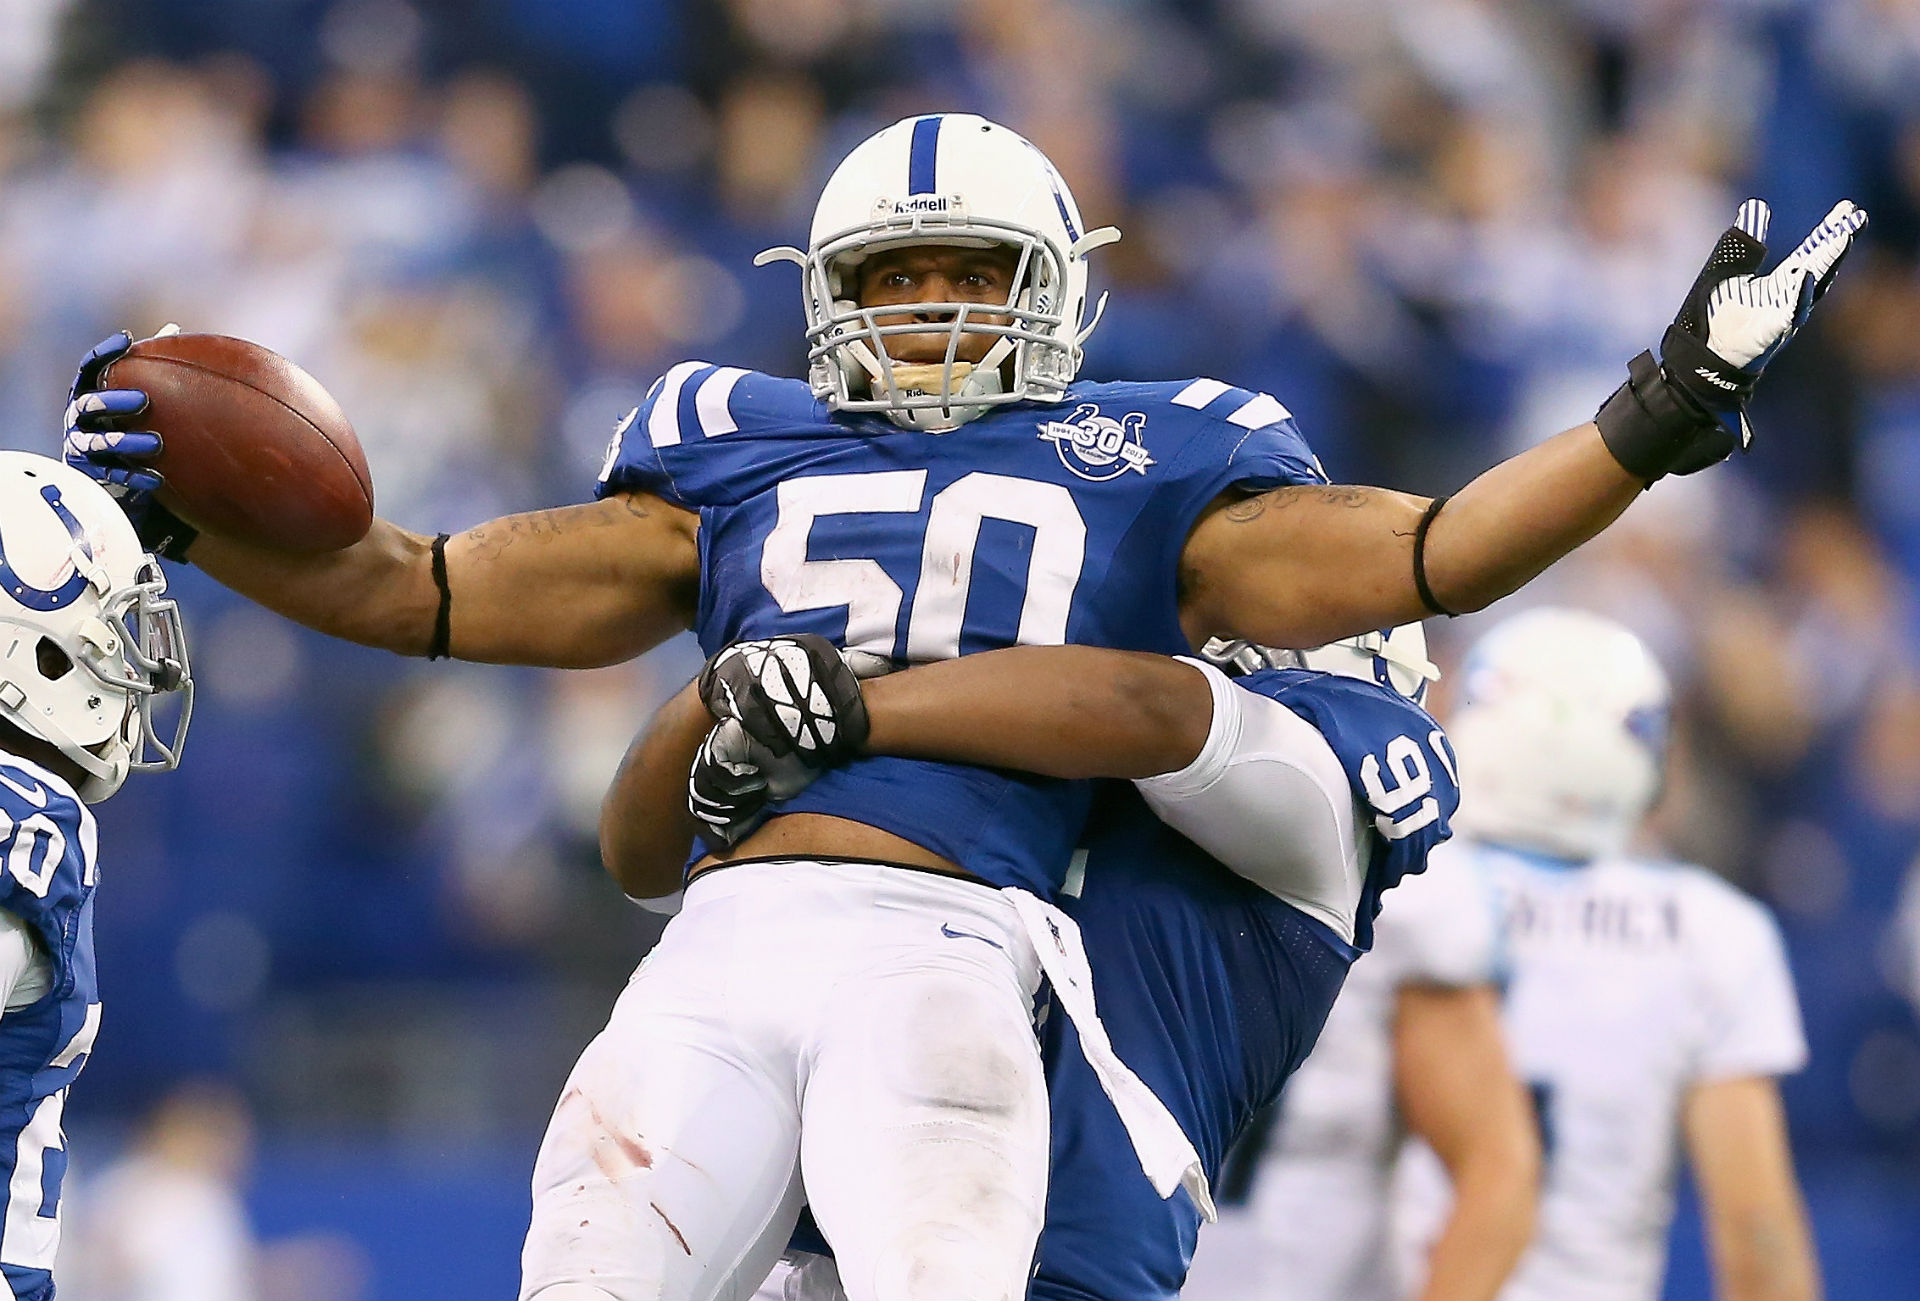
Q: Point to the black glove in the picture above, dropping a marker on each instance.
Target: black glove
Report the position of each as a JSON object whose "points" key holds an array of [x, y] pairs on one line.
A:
{"points": [[727, 791], [1689, 410], [796, 696]]}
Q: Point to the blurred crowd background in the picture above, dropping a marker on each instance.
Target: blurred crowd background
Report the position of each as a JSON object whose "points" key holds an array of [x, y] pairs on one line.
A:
{"points": [[358, 939]]}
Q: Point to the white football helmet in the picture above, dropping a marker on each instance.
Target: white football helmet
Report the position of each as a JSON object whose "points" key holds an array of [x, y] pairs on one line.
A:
{"points": [[88, 641], [1394, 657], [1561, 732], [953, 179]]}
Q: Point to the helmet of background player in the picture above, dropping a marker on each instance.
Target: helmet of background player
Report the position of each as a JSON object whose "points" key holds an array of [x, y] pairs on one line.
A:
{"points": [[1561, 733], [961, 181], [88, 641], [1395, 657]]}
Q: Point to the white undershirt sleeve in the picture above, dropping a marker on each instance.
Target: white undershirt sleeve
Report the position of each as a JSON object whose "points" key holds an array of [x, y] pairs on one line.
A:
{"points": [[25, 973], [1267, 796]]}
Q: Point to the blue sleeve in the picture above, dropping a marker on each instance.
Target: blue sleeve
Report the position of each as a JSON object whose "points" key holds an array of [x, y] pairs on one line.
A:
{"points": [[1243, 440], [1236, 441], [695, 440], [1397, 759]]}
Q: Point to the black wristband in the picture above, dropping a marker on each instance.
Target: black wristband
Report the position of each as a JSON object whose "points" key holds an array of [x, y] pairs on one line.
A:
{"points": [[166, 534], [443, 619], [1420, 559], [1650, 425]]}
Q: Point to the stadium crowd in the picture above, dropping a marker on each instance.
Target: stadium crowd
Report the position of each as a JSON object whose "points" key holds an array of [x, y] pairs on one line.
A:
{"points": [[1433, 228]]}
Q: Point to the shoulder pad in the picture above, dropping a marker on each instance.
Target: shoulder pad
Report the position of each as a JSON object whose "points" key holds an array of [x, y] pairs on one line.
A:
{"points": [[667, 446], [1210, 398], [697, 399], [1250, 436]]}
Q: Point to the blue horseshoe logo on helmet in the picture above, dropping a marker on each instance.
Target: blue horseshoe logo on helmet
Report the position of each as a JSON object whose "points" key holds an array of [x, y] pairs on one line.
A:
{"points": [[41, 598]]}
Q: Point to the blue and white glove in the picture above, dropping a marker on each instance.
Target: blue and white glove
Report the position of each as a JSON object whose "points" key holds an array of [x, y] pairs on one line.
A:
{"points": [[99, 444], [1689, 410]]}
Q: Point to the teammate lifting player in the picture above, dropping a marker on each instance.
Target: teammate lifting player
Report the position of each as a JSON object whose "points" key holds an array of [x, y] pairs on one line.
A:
{"points": [[945, 288], [1321, 789]]}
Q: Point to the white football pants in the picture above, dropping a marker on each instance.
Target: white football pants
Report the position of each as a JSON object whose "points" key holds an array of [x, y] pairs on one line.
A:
{"points": [[860, 1031]]}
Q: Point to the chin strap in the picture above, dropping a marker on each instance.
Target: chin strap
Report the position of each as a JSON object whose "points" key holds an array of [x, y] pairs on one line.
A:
{"points": [[13, 706], [1099, 310], [1087, 243]]}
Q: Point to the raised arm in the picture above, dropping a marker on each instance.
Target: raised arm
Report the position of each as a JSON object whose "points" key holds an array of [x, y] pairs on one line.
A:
{"points": [[1303, 565], [574, 587]]}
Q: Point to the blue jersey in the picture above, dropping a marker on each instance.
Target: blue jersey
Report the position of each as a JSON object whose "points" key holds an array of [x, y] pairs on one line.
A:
{"points": [[1034, 524], [1211, 989], [49, 841]]}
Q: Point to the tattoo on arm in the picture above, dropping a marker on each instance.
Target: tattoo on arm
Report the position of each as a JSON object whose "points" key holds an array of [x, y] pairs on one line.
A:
{"points": [[495, 536], [1333, 494], [1245, 510]]}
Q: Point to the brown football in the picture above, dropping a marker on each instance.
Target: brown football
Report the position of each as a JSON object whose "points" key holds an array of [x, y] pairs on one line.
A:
{"points": [[255, 449]]}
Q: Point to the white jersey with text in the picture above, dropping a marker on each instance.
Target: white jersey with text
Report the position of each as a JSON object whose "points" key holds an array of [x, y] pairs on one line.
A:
{"points": [[1630, 982]]}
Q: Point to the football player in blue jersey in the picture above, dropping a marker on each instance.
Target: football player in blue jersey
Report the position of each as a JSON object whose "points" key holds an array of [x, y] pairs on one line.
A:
{"points": [[1214, 984], [941, 483], [91, 646]]}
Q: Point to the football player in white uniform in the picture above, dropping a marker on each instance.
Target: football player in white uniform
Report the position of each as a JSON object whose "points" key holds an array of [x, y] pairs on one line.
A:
{"points": [[1648, 1003], [1413, 1046], [945, 285]]}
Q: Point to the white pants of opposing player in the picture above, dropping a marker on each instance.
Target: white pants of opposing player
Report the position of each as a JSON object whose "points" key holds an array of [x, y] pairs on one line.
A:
{"points": [[865, 1029]]}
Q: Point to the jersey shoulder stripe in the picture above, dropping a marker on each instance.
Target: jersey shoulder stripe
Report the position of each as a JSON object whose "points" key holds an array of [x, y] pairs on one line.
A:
{"points": [[710, 402], [757, 402], [662, 407], [1258, 412], [1237, 406], [27, 789], [1237, 413], [696, 399], [1198, 393], [657, 447]]}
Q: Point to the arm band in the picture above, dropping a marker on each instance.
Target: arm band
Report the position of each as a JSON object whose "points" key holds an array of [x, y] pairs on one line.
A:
{"points": [[443, 619], [1420, 558]]}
